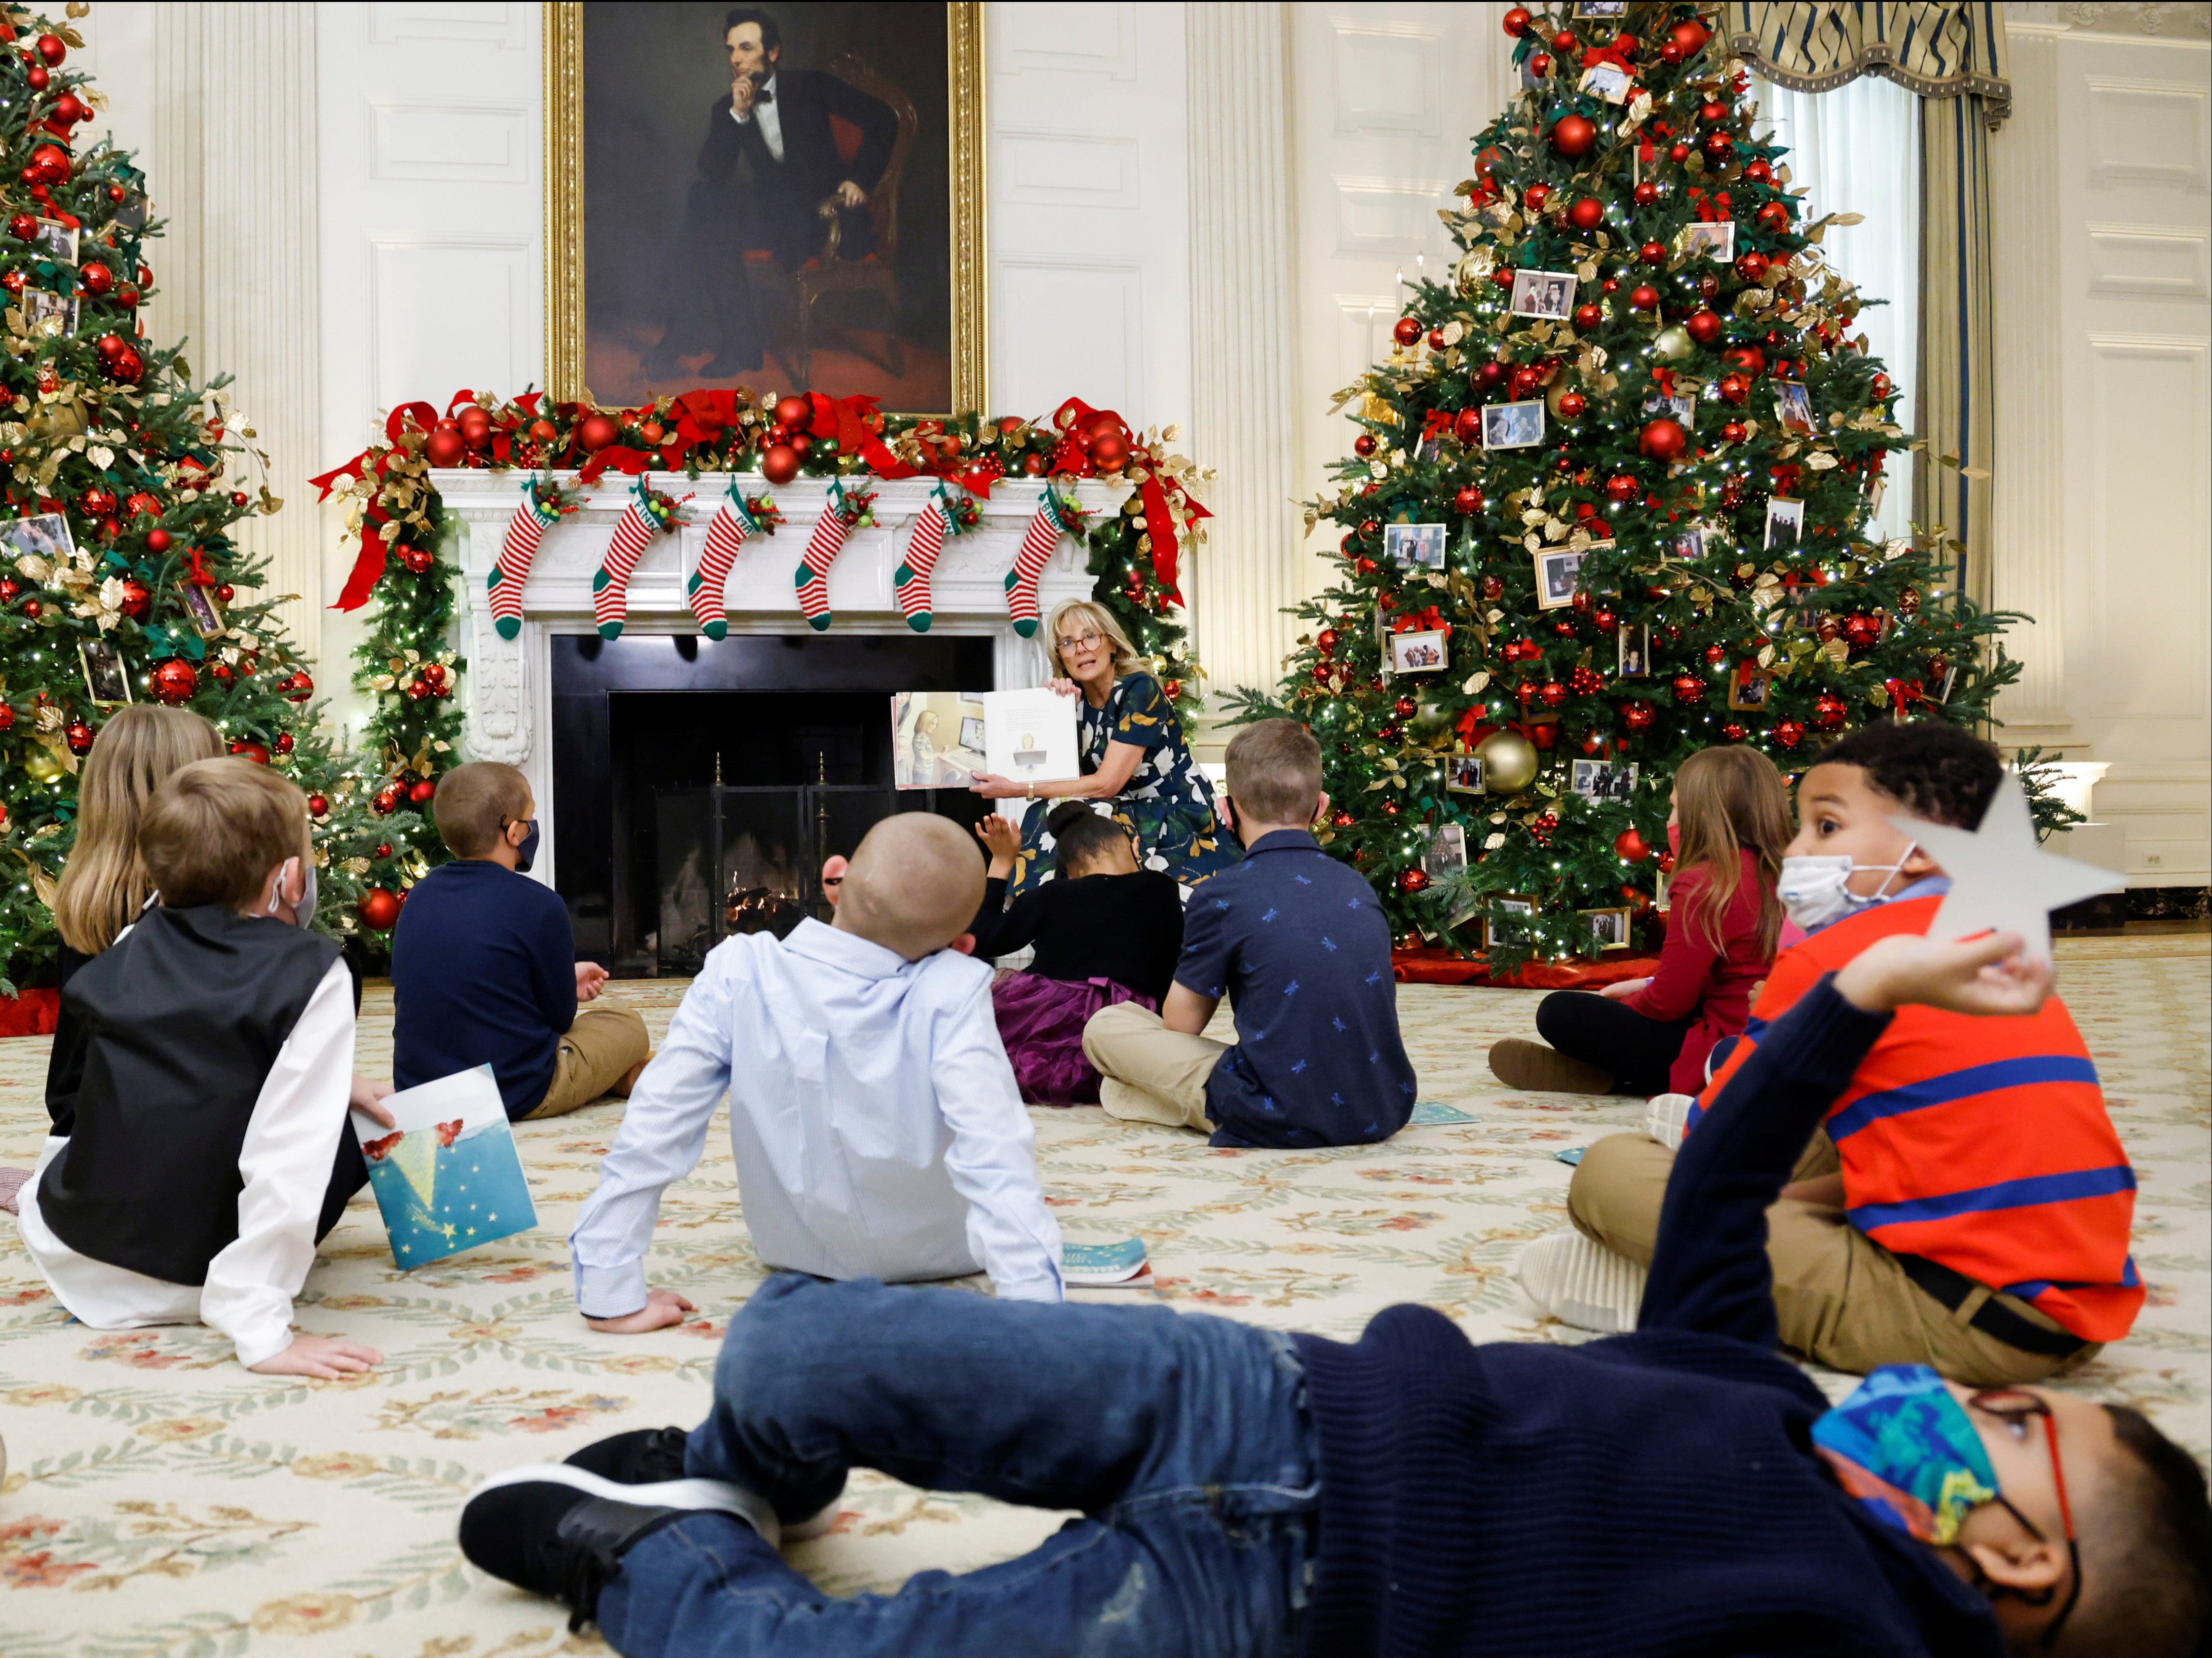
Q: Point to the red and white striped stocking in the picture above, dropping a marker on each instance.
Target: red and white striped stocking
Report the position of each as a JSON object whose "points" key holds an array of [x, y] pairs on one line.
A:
{"points": [[840, 513], [640, 520], [922, 548], [516, 553], [1045, 530], [733, 522]]}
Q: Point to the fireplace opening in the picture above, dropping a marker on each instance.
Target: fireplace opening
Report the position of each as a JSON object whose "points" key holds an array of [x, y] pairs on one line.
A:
{"points": [[698, 788]]}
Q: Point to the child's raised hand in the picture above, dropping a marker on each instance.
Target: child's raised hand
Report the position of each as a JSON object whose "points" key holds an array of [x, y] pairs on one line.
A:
{"points": [[662, 1308], [1986, 976], [590, 977], [1003, 838], [324, 1358]]}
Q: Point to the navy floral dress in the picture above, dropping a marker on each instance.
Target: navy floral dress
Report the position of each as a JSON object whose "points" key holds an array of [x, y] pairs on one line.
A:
{"points": [[1167, 805]]}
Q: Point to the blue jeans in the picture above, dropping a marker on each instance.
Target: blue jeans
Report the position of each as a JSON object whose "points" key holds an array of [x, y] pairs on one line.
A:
{"points": [[1184, 1441]]}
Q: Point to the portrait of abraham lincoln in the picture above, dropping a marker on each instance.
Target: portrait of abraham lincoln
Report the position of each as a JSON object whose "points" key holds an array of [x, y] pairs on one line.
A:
{"points": [[768, 200]]}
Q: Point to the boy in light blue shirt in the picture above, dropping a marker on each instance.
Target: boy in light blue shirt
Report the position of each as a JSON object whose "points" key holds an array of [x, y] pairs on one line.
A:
{"points": [[874, 1119]]}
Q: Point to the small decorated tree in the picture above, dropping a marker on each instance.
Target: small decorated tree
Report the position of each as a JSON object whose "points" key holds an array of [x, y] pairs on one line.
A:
{"points": [[124, 480], [1648, 444]]}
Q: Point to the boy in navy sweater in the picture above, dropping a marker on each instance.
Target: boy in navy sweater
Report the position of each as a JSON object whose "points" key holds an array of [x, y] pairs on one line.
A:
{"points": [[1297, 942], [484, 967], [1680, 1491]]}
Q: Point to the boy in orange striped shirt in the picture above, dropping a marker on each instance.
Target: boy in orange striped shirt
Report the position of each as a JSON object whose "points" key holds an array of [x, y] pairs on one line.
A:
{"points": [[1968, 1204]]}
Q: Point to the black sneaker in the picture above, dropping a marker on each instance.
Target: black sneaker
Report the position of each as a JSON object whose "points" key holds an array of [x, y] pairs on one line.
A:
{"points": [[645, 1457], [561, 1531]]}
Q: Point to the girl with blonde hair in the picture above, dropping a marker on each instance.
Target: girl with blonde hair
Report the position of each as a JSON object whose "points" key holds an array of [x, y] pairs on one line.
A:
{"points": [[104, 885], [1729, 826], [1136, 763]]}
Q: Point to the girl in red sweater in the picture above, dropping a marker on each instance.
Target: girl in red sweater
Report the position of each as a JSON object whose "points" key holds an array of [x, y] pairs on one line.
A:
{"points": [[1729, 825]]}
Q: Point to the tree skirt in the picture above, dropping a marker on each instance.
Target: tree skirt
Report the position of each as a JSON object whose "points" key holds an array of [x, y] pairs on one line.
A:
{"points": [[1431, 966], [30, 1014]]}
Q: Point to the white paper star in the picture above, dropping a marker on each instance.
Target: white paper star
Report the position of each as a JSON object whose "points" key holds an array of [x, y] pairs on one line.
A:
{"points": [[2001, 881]]}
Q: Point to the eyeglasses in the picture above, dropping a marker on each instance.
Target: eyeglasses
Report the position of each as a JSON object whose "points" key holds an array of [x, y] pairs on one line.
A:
{"points": [[2013, 1407], [1079, 642]]}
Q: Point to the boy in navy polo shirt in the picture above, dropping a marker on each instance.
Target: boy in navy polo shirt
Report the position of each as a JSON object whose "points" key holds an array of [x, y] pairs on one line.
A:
{"points": [[1298, 944]]}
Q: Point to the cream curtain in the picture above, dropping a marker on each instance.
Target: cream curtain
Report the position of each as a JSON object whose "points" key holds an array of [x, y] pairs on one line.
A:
{"points": [[1952, 56]]}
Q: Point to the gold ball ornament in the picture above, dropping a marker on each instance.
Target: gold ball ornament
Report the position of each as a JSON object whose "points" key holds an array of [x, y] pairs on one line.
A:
{"points": [[1509, 762], [1430, 718], [1672, 343], [44, 765]]}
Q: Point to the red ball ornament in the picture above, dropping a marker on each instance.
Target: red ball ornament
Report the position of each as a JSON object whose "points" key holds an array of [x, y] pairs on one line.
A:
{"points": [[1407, 330], [1645, 193], [1573, 134], [1678, 154], [779, 463], [1717, 146], [1525, 380], [22, 227], [1736, 389], [1364, 445], [1689, 690], [224, 594], [1759, 172], [125, 367], [1467, 425], [1637, 714], [98, 501], [1588, 214], [1670, 54], [1621, 487], [1712, 112], [1535, 196], [422, 792], [418, 560], [1664, 439], [1716, 654], [1588, 317], [1880, 387], [1734, 431], [1753, 267], [1630, 847], [1515, 21], [1553, 693], [284, 744], [1773, 218], [246, 748], [595, 432], [1404, 708], [793, 413], [1652, 253], [386, 800], [1571, 404], [52, 50], [49, 166], [445, 448], [299, 687], [318, 806], [1325, 641], [1540, 64], [1644, 297], [1703, 326], [1734, 733], [1789, 733], [1413, 880], [1829, 712], [1437, 340], [1340, 819], [174, 681], [95, 278], [378, 910], [79, 737], [1467, 501], [1862, 632], [1690, 35]]}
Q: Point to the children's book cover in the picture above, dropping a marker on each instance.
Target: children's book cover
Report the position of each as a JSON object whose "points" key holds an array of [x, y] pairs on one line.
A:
{"points": [[1118, 1266], [446, 1176]]}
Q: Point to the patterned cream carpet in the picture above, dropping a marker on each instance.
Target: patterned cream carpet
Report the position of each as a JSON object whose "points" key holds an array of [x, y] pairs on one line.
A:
{"points": [[160, 1501]]}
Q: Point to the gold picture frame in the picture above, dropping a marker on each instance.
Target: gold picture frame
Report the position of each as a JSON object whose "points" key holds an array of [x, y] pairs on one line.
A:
{"points": [[563, 53]]}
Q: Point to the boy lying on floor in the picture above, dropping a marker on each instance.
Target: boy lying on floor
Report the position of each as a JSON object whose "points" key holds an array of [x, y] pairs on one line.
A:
{"points": [[1683, 1489]]}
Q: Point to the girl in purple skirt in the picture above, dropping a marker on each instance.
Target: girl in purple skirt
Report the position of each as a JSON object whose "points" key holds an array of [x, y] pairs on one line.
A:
{"points": [[1105, 931]]}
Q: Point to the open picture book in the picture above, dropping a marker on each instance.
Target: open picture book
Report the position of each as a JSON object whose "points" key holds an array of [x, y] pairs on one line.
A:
{"points": [[447, 1177], [945, 740]]}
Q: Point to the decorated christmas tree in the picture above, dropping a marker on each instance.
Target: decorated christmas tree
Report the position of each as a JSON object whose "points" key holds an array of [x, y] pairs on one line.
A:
{"points": [[123, 481], [1612, 503]]}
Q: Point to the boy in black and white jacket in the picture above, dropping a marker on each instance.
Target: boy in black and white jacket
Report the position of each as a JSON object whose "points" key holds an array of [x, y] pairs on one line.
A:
{"points": [[210, 1148]]}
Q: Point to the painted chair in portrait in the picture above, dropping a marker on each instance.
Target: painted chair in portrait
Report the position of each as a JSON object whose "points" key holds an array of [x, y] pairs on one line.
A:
{"points": [[828, 277]]}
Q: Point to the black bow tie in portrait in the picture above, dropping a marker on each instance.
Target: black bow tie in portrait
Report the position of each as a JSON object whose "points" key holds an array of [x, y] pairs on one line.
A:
{"points": [[765, 96]]}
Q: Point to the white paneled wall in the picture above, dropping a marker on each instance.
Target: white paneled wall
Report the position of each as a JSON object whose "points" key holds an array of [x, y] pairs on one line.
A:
{"points": [[432, 264], [1387, 99], [1089, 150], [2104, 176]]}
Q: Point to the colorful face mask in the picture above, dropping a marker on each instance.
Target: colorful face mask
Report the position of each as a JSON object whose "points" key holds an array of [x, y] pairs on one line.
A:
{"points": [[1907, 1449]]}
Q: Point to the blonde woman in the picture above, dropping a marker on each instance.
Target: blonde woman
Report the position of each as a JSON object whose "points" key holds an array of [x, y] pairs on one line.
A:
{"points": [[1136, 763]]}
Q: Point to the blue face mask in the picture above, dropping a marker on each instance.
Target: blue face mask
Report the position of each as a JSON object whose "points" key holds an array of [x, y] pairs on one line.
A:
{"points": [[526, 853], [1907, 1449]]}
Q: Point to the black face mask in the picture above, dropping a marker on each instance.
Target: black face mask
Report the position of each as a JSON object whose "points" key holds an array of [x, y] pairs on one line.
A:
{"points": [[526, 853]]}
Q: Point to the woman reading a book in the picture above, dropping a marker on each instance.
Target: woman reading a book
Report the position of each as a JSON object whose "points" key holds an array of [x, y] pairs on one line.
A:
{"points": [[1134, 758]]}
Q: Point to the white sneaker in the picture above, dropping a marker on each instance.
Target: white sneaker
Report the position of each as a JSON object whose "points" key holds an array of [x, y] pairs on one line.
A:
{"points": [[1582, 1283], [1667, 1118]]}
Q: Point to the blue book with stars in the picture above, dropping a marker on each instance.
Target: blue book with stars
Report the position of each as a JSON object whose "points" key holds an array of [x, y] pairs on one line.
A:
{"points": [[446, 1175]]}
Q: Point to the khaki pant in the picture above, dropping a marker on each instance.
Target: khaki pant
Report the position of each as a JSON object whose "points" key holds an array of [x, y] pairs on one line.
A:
{"points": [[1839, 1297], [602, 1045], [1152, 1074]]}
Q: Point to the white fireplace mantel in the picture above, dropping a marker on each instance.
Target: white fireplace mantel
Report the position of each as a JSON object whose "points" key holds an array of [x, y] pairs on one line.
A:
{"points": [[507, 688]]}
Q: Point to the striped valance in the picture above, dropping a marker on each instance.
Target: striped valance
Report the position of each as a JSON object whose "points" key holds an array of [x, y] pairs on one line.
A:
{"points": [[1937, 48]]}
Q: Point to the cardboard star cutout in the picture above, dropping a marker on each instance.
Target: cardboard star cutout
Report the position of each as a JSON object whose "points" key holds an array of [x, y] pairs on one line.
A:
{"points": [[2001, 881]]}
